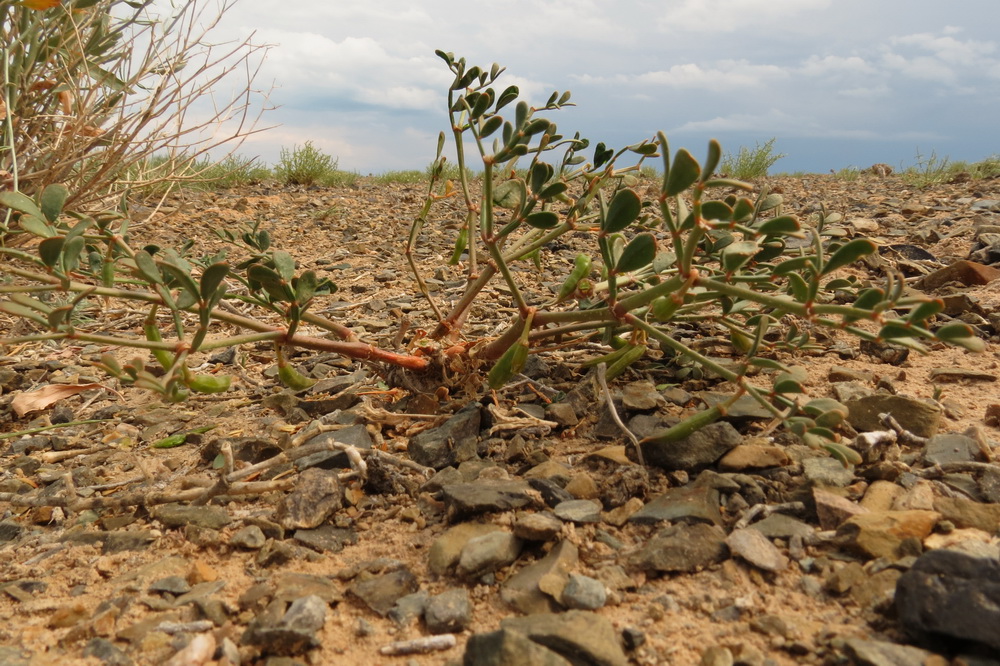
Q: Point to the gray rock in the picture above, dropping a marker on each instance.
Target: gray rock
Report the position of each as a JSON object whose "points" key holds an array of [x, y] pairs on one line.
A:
{"points": [[448, 612], [703, 447], [294, 633], [536, 587], [10, 531], [746, 408], [292, 585], [468, 499], [641, 396], [989, 485], [695, 501], [552, 493], [409, 608], [381, 592], [316, 495], [542, 526], [179, 515], [952, 596], [782, 526], [584, 593], [250, 537], [453, 441], [580, 511], [355, 435], [681, 547], [327, 538], [562, 413], [826, 471], [103, 649], [918, 416], [716, 655], [881, 653], [175, 585], [755, 548], [950, 448], [506, 647], [488, 553], [581, 637], [447, 549]]}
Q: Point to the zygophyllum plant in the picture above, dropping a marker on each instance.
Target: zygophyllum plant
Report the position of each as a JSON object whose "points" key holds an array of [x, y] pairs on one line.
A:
{"points": [[700, 259]]}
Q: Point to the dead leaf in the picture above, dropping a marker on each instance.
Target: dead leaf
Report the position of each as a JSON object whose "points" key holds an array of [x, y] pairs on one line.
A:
{"points": [[34, 401], [40, 5]]}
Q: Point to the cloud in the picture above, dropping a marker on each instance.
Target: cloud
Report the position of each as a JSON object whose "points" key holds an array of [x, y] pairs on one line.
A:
{"points": [[714, 16]]}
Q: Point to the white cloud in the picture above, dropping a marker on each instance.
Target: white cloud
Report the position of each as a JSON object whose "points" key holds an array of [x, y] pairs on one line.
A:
{"points": [[732, 15]]}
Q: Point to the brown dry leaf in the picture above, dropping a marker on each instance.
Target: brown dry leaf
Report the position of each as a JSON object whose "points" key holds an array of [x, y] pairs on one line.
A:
{"points": [[37, 400]]}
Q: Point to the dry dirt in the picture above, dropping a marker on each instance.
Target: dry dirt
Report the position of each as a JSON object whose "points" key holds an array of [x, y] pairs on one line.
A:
{"points": [[355, 236]]}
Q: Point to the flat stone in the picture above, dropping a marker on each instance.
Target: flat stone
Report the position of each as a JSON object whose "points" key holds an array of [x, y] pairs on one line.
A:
{"points": [[716, 655], [381, 592], [952, 596], [967, 513], [542, 526], [103, 649], [919, 417], [453, 441], [783, 526], [881, 495], [641, 396], [353, 435], [581, 637], [295, 633], [827, 471], [584, 593], [583, 486], [882, 533], [488, 553], [448, 612], [681, 548], [695, 501], [703, 447], [833, 509], [179, 515], [507, 647], [562, 413], [524, 590], [579, 511], [250, 537], [327, 538], [315, 497], [468, 499], [753, 456], [841, 374], [968, 273], [446, 550], [756, 549], [745, 408], [409, 608], [950, 448], [957, 374], [881, 653], [292, 585]]}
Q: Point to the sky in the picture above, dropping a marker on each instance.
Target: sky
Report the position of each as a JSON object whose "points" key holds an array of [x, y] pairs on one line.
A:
{"points": [[837, 83]]}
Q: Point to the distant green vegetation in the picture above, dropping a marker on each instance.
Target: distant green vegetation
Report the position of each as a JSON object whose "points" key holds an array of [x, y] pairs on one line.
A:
{"points": [[934, 170], [750, 163]]}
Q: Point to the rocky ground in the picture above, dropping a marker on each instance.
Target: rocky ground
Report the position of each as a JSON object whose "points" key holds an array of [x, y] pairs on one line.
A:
{"points": [[383, 526]]}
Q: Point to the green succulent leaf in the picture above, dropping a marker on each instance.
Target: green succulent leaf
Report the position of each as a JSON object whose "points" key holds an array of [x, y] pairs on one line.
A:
{"points": [[36, 225], [52, 200], [553, 190], [848, 253], [212, 278], [50, 249], [639, 252], [284, 264], [305, 287], [736, 255], [961, 335], [490, 125], [712, 161], [510, 194], [623, 210], [785, 225], [270, 281], [509, 94], [543, 219], [716, 210], [683, 173], [146, 266], [21, 203], [924, 311], [511, 363], [71, 253]]}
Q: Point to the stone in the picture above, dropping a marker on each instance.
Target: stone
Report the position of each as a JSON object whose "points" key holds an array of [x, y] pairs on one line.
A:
{"points": [[695, 501], [952, 596], [506, 647], [716, 655], [584, 593], [562, 413], [488, 553], [581, 637], [292, 585], [380, 592], [756, 549], [746, 408], [783, 526], [541, 526], [833, 509], [840, 374], [353, 435], [409, 608], [552, 493], [315, 497], [680, 548], [753, 456], [703, 447], [641, 396], [448, 612], [250, 537], [469, 499], [950, 448], [446, 550], [327, 538], [918, 416], [583, 486], [551, 470], [295, 632], [827, 471], [967, 513], [967, 273], [180, 515], [881, 653], [103, 649], [524, 590], [883, 533], [880, 496], [453, 441], [579, 511]]}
